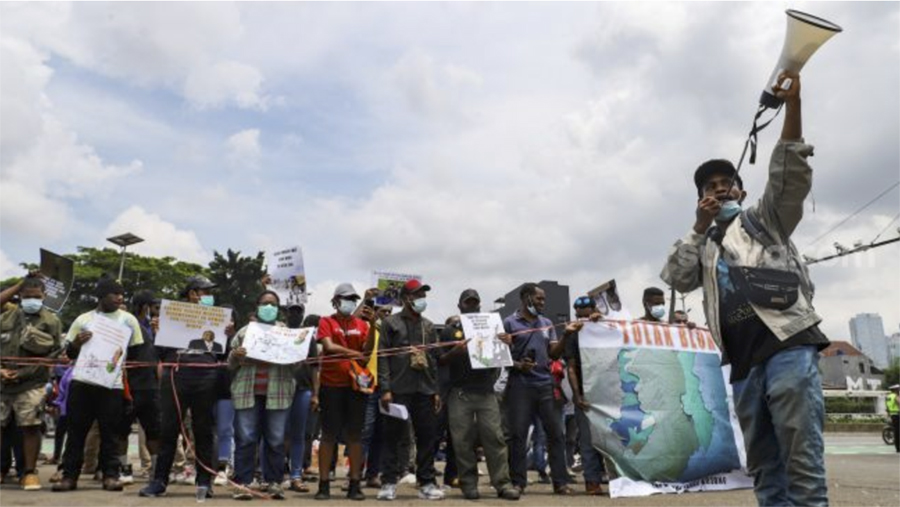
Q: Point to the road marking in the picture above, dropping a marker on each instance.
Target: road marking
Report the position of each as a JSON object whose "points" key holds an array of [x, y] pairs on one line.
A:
{"points": [[859, 449]]}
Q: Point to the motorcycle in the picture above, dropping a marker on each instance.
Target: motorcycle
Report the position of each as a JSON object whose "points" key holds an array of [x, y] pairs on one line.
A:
{"points": [[887, 433]]}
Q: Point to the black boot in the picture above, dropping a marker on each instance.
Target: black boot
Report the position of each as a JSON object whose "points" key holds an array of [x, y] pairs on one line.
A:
{"points": [[324, 492], [355, 491]]}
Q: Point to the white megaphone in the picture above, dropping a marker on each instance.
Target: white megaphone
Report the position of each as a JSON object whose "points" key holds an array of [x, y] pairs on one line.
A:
{"points": [[805, 34]]}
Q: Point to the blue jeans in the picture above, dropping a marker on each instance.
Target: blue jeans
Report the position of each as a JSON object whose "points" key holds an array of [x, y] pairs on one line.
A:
{"points": [[538, 445], [782, 412], [249, 424], [298, 419], [225, 430], [591, 459], [371, 436]]}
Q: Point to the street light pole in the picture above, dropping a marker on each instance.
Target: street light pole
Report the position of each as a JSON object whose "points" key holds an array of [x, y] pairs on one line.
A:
{"points": [[123, 241]]}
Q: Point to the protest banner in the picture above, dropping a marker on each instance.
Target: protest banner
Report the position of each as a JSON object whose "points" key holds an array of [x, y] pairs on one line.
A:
{"points": [[608, 301], [389, 285], [485, 349], [278, 344], [661, 408], [288, 277], [181, 323], [101, 358], [59, 276]]}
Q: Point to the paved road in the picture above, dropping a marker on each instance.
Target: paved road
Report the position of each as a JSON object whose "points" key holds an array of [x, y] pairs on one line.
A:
{"points": [[862, 471]]}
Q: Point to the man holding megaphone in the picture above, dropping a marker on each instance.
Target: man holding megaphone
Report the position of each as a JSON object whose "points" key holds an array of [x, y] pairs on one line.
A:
{"points": [[758, 304]]}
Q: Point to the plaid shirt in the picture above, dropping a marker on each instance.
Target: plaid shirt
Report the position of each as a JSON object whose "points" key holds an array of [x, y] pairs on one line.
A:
{"points": [[280, 390]]}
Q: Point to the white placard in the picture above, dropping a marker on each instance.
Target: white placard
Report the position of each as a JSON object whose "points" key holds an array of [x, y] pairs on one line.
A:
{"points": [[101, 358], [288, 276], [485, 349], [181, 323], [394, 410], [278, 344], [389, 285]]}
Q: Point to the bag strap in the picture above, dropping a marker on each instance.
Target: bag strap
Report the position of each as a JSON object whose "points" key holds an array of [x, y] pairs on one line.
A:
{"points": [[755, 229]]}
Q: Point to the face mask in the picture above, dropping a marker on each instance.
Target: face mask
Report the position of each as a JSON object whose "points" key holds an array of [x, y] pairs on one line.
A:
{"points": [[729, 210], [207, 300], [419, 305], [267, 313], [658, 311], [347, 306], [32, 305]]}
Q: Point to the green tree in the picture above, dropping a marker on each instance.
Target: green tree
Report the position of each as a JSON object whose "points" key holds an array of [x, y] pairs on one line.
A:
{"points": [[892, 374], [165, 276], [238, 279]]}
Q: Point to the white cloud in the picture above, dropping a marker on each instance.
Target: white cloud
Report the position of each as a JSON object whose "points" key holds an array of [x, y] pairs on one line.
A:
{"points": [[432, 89], [225, 82], [8, 268], [161, 238], [242, 150]]}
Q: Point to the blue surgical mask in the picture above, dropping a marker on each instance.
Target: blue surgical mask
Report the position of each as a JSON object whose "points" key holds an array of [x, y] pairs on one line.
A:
{"points": [[267, 313], [346, 307], [419, 305], [729, 210], [208, 300], [32, 305], [532, 310], [658, 311]]}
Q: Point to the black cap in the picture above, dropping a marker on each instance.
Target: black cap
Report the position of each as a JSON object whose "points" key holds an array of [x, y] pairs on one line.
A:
{"points": [[106, 286], [143, 297], [469, 294], [716, 166], [197, 282]]}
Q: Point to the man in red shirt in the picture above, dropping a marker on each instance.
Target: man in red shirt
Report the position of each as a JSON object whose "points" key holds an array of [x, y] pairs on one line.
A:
{"points": [[343, 406]]}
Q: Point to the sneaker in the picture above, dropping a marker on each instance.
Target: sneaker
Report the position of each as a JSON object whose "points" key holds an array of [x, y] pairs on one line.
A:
{"points": [[31, 482], [126, 476], [188, 476], [355, 492], [56, 477], [431, 492], [510, 493], [155, 489], [388, 492], [221, 478], [112, 484], [324, 492], [66, 484], [409, 478], [274, 490], [241, 493], [563, 489]]}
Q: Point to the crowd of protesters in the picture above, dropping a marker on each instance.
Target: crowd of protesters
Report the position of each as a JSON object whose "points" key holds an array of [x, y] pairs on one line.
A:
{"points": [[260, 429]]}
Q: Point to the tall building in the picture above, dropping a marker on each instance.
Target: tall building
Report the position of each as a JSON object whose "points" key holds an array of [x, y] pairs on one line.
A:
{"points": [[867, 333], [893, 348], [556, 308]]}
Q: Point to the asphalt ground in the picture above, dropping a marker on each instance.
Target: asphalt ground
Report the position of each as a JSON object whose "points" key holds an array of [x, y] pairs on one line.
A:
{"points": [[862, 471]]}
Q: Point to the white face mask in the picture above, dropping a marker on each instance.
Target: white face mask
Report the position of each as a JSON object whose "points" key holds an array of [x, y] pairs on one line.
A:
{"points": [[658, 311], [346, 307], [419, 305]]}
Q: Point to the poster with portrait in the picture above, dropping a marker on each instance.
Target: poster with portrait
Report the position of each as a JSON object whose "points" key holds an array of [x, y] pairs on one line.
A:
{"points": [[278, 344], [389, 285], [101, 358], [288, 275], [192, 326], [59, 277]]}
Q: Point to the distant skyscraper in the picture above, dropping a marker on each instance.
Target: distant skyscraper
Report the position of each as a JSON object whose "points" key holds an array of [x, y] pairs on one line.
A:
{"points": [[893, 348], [867, 333]]}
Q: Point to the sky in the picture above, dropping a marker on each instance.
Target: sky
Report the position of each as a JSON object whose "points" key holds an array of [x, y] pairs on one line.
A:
{"points": [[476, 144]]}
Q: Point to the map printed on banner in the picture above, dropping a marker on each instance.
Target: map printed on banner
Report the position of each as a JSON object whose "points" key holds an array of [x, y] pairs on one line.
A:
{"points": [[59, 276], [182, 323], [389, 285], [288, 276], [661, 408], [101, 358], [485, 349], [278, 344]]}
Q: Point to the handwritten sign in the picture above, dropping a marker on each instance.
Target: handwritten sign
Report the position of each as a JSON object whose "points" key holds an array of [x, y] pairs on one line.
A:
{"points": [[102, 357], [181, 323], [59, 276], [288, 275], [485, 349], [278, 344], [389, 285]]}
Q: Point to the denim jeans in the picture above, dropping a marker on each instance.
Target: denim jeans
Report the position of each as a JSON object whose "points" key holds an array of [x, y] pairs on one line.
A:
{"points": [[524, 402], [225, 430], [371, 436], [249, 425], [298, 419], [781, 410], [537, 456], [591, 459]]}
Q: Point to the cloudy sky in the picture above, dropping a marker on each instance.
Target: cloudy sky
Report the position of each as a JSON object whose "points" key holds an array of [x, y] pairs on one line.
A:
{"points": [[478, 144]]}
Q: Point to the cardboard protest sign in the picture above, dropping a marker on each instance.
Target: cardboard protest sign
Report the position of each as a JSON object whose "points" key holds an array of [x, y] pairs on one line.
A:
{"points": [[485, 349], [188, 325], [101, 359], [278, 344], [389, 285], [59, 276], [288, 277], [608, 301], [661, 408]]}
